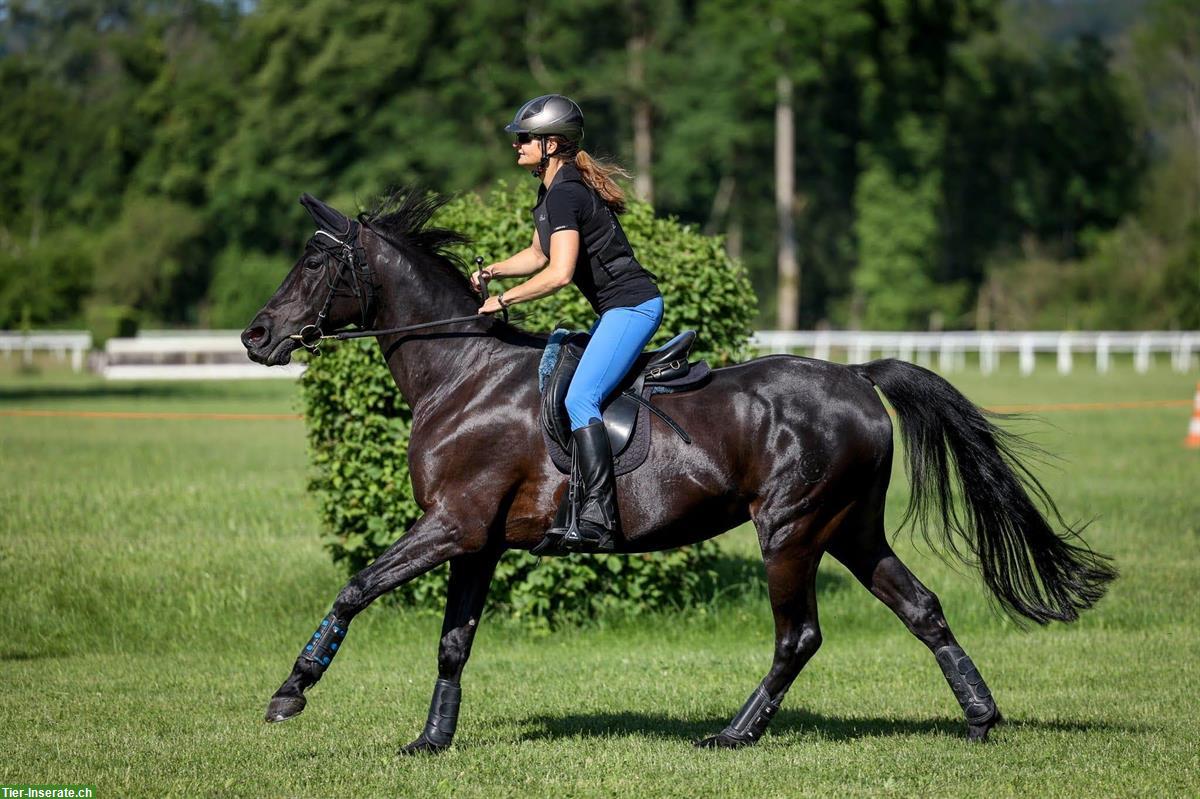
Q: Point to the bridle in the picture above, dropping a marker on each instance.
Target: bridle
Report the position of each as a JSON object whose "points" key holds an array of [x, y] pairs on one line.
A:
{"points": [[345, 251], [348, 252]]}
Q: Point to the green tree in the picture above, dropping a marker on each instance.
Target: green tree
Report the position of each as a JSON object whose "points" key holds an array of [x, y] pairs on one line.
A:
{"points": [[46, 280], [1109, 227], [928, 146], [146, 257], [346, 100]]}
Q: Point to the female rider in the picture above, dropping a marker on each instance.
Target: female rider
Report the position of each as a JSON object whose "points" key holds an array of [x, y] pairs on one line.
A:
{"points": [[577, 238]]}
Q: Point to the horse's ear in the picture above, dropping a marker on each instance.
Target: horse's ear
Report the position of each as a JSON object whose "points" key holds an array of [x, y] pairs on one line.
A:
{"points": [[326, 217]]}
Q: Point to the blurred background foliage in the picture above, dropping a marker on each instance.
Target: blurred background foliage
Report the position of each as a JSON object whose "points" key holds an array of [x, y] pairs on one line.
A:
{"points": [[970, 164]]}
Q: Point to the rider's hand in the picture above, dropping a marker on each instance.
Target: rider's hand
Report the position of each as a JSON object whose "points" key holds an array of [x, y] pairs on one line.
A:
{"points": [[486, 273], [491, 306]]}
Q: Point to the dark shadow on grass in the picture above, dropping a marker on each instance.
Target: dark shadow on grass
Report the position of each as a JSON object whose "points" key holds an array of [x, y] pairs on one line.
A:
{"points": [[792, 721], [20, 656]]}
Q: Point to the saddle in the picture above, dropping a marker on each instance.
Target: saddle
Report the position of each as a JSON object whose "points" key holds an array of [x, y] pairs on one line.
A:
{"points": [[626, 412]]}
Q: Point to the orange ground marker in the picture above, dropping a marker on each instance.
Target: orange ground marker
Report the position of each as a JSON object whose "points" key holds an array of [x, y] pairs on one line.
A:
{"points": [[1193, 436], [221, 417]]}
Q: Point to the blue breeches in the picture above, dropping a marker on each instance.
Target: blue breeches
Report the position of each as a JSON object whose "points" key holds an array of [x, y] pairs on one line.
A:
{"points": [[618, 338]]}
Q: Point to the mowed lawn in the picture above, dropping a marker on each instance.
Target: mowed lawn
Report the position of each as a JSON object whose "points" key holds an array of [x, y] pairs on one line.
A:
{"points": [[160, 574]]}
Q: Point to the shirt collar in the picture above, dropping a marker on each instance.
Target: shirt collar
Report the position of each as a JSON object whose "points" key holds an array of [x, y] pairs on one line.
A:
{"points": [[567, 172]]}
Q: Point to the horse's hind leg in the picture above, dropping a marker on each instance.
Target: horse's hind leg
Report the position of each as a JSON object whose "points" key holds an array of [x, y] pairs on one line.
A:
{"points": [[470, 579], [791, 583], [874, 563]]}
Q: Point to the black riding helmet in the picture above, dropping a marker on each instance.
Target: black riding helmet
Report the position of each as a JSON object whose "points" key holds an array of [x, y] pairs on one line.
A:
{"points": [[549, 115]]}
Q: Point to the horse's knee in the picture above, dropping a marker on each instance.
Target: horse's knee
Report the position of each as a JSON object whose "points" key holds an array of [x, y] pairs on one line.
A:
{"points": [[349, 601]]}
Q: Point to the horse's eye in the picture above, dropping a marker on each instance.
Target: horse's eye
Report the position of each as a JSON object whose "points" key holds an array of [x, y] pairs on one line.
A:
{"points": [[313, 263]]}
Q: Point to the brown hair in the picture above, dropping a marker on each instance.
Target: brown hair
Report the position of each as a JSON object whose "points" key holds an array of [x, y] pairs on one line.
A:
{"points": [[597, 174]]}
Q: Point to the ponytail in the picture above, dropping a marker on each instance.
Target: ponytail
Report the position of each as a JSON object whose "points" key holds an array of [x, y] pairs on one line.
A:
{"points": [[599, 175]]}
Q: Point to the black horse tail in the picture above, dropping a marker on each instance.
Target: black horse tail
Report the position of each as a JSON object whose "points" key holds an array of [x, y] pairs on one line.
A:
{"points": [[1030, 569]]}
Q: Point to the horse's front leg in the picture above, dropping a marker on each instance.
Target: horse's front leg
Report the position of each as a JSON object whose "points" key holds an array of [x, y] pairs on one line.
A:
{"points": [[470, 579], [431, 541]]}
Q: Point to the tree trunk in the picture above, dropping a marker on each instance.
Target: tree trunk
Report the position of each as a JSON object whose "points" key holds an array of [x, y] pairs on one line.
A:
{"points": [[643, 181], [785, 190], [720, 205], [733, 238], [643, 139]]}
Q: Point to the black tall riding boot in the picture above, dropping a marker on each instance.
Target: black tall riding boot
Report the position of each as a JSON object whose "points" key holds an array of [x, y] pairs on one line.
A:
{"points": [[587, 518], [596, 521]]}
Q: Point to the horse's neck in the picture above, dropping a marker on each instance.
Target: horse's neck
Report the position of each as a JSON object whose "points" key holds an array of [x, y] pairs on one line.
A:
{"points": [[427, 364]]}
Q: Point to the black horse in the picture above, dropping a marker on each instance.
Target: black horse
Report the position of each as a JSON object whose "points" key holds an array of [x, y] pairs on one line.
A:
{"points": [[804, 450]]}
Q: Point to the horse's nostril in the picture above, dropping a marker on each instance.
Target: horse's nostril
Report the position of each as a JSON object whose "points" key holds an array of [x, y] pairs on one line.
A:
{"points": [[253, 335]]}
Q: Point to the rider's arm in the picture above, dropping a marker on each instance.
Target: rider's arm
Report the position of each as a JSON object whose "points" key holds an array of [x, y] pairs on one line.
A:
{"points": [[526, 262], [564, 249]]}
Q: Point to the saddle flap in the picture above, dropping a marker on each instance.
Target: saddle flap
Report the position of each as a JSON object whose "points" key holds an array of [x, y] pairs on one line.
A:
{"points": [[554, 395], [619, 419]]}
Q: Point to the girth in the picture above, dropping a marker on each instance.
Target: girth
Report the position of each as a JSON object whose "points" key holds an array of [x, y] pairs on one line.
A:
{"points": [[662, 370]]}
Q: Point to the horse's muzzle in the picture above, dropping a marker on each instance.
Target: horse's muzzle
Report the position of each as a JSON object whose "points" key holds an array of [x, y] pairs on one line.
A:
{"points": [[262, 347]]}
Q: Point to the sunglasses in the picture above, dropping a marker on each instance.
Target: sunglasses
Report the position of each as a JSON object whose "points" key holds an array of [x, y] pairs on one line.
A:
{"points": [[524, 138]]}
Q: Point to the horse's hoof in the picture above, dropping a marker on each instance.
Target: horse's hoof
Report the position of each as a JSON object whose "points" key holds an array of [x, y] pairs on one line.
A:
{"points": [[282, 708], [978, 733], [422, 746], [721, 741]]}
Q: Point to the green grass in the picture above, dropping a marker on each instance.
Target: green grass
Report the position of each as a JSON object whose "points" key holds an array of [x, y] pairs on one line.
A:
{"points": [[160, 575]]}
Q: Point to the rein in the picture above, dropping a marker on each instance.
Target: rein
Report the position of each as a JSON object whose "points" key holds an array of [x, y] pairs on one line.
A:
{"points": [[311, 336]]}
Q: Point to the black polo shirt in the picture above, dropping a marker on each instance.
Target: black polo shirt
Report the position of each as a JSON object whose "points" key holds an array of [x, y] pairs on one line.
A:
{"points": [[610, 278]]}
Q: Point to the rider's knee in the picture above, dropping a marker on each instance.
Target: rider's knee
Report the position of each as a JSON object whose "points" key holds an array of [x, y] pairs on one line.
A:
{"points": [[581, 406]]}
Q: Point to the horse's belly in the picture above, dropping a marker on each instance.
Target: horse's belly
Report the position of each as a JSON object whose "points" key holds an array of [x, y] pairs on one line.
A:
{"points": [[680, 521]]}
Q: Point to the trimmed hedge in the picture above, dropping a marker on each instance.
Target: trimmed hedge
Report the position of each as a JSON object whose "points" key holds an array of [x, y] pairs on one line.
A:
{"points": [[358, 424]]}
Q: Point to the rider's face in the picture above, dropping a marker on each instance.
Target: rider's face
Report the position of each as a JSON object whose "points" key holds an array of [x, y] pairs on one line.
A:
{"points": [[529, 149]]}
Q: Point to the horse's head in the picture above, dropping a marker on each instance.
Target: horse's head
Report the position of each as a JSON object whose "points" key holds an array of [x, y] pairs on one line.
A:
{"points": [[328, 287]]}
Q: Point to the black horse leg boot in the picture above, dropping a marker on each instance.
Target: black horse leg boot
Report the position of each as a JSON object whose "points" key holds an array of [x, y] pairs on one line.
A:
{"points": [[596, 523]]}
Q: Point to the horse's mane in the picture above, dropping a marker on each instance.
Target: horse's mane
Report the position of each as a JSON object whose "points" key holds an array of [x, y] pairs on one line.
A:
{"points": [[402, 218]]}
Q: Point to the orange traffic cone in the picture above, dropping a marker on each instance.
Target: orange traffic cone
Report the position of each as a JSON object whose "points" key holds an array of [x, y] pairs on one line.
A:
{"points": [[1193, 438]]}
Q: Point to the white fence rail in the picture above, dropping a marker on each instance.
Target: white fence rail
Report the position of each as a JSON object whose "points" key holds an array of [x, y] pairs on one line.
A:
{"points": [[219, 354], [950, 349], [75, 342], [192, 355]]}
